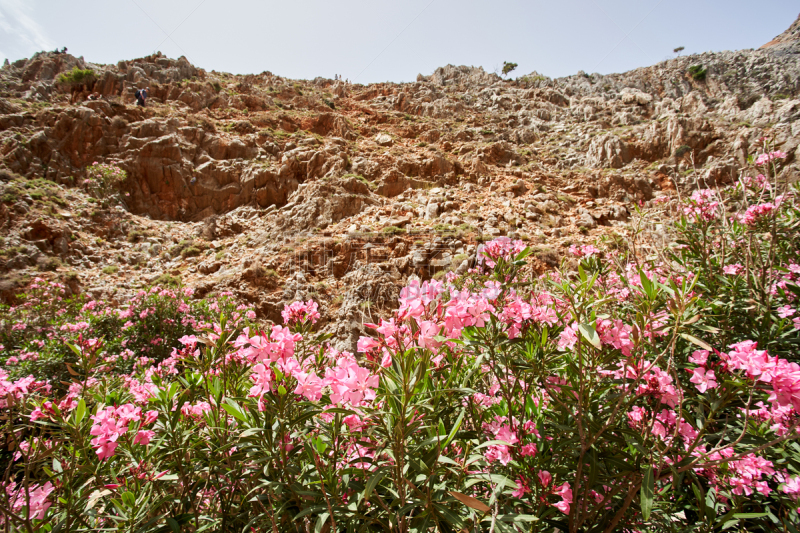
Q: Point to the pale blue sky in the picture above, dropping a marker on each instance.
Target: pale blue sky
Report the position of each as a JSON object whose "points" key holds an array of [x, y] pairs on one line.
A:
{"points": [[378, 40]]}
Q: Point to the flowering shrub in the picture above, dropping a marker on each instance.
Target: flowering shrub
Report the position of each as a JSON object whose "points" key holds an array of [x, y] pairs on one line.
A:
{"points": [[742, 244], [103, 180], [39, 337], [629, 395]]}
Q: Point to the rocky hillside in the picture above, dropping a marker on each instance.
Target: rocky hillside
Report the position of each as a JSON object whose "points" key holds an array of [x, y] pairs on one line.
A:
{"points": [[277, 189]]}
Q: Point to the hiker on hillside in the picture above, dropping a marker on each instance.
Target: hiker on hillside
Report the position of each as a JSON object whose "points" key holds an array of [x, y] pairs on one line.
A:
{"points": [[140, 95]]}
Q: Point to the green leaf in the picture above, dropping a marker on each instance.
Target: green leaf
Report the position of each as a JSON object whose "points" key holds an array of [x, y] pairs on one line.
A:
{"points": [[523, 254], [372, 483], [128, 498], [234, 410], [513, 518], [455, 429], [80, 412], [320, 445], [320, 522], [647, 285], [701, 501], [647, 493], [174, 525], [589, 333], [696, 341], [743, 516]]}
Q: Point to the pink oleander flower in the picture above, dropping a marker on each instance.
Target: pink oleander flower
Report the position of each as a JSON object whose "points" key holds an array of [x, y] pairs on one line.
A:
{"points": [[366, 344], [732, 270], [587, 250], [754, 212], [528, 450], [143, 437], [701, 206], [37, 494], [522, 488], [309, 385], [428, 331], [544, 478], [360, 384], [298, 312], [498, 453], [699, 357], [565, 491], [703, 379], [106, 450], [766, 158], [500, 248], [568, 337]]}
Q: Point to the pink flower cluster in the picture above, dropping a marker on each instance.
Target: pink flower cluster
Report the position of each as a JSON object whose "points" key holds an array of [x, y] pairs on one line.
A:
{"points": [[733, 270], [702, 206], [766, 158], [113, 422], [16, 390], [500, 248], [760, 182], [761, 367], [346, 381], [19, 500], [299, 312], [586, 250], [746, 475], [564, 491], [754, 212]]}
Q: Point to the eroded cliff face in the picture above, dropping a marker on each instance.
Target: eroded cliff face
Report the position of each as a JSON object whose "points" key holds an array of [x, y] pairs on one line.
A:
{"points": [[278, 189]]}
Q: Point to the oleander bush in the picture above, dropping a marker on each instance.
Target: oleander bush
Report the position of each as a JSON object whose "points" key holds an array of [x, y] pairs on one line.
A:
{"points": [[637, 392], [103, 180]]}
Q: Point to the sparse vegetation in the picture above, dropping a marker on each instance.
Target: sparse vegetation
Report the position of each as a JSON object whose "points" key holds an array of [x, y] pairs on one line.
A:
{"points": [[393, 230], [167, 280], [508, 67], [77, 77], [698, 72], [682, 150], [50, 264]]}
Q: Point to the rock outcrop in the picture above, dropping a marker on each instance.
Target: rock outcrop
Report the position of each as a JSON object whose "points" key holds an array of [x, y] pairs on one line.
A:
{"points": [[276, 189]]}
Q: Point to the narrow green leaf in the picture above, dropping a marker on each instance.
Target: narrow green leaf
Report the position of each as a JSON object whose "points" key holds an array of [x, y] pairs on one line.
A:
{"points": [[588, 332], [696, 341], [372, 483], [174, 525], [80, 411], [320, 522], [455, 429], [235, 411], [647, 493]]}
